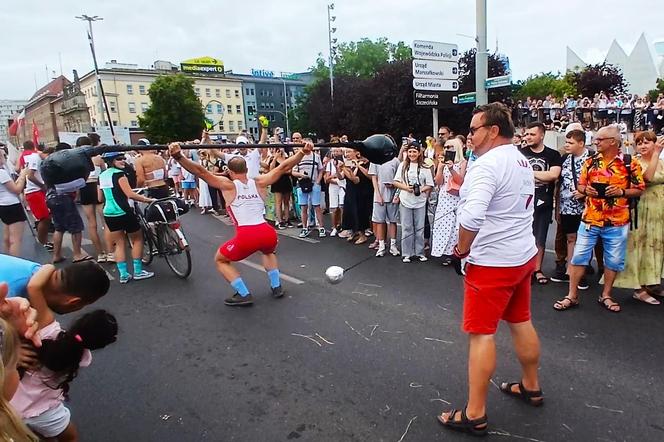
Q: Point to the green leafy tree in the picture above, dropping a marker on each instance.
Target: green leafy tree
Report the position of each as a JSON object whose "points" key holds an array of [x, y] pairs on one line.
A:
{"points": [[541, 85], [654, 93], [176, 113]]}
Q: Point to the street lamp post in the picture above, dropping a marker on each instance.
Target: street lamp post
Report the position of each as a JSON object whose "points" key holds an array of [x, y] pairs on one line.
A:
{"points": [[482, 56], [330, 31], [286, 107], [102, 97]]}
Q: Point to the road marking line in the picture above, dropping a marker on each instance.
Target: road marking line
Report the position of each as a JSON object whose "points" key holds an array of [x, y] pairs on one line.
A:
{"points": [[284, 276]]}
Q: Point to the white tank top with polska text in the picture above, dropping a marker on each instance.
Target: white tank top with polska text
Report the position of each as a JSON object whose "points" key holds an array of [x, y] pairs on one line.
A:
{"points": [[248, 206]]}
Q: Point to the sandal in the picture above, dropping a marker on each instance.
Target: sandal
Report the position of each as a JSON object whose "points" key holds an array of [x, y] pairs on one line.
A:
{"points": [[476, 427], [85, 258], [561, 304], [530, 397], [614, 308], [542, 280], [644, 296]]}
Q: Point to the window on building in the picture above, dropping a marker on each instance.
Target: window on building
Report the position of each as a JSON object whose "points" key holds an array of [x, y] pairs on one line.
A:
{"points": [[207, 92], [217, 93], [237, 93], [141, 89], [221, 126], [247, 91], [238, 109], [229, 109], [197, 91], [111, 104], [130, 89], [271, 93], [115, 122], [231, 126], [208, 109], [134, 123], [144, 107], [252, 91], [228, 93], [239, 125], [220, 109], [271, 105], [132, 107]]}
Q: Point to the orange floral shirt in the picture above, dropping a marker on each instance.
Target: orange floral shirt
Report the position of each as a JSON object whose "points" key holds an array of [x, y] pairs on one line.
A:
{"points": [[605, 212]]}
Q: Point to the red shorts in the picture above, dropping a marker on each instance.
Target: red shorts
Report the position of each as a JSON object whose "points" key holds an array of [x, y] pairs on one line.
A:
{"points": [[495, 293], [249, 240], [37, 203]]}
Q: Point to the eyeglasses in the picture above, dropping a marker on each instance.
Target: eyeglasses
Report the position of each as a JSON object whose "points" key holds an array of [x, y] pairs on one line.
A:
{"points": [[599, 140], [472, 130]]}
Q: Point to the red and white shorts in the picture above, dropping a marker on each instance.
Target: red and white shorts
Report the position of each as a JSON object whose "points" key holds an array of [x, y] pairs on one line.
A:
{"points": [[37, 203], [249, 240], [495, 293]]}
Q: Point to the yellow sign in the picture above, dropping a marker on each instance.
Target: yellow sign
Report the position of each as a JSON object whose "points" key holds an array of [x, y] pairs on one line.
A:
{"points": [[203, 65]]}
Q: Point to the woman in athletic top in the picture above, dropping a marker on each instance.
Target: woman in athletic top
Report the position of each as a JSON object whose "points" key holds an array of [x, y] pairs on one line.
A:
{"points": [[120, 218]]}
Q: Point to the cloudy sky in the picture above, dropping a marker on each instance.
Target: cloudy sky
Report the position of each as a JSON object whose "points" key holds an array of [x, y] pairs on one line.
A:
{"points": [[287, 35]]}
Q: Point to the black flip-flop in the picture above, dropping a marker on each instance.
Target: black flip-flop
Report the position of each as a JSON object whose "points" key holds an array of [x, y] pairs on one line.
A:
{"points": [[85, 258]]}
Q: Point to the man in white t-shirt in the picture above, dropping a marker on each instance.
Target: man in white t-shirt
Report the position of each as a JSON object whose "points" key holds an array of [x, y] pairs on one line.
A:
{"points": [[251, 157], [495, 216], [385, 212], [35, 193], [309, 172]]}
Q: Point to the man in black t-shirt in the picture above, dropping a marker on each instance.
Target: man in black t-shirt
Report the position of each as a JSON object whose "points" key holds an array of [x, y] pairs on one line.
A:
{"points": [[546, 164]]}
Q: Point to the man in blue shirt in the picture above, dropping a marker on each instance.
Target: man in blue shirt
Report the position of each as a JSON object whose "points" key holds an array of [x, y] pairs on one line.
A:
{"points": [[66, 290]]}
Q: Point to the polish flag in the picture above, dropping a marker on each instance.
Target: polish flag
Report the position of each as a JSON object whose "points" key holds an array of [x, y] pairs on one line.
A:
{"points": [[16, 124], [35, 133]]}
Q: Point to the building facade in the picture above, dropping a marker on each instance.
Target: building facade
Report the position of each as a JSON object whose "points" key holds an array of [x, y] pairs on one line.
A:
{"points": [[272, 96], [40, 110], [126, 89], [8, 110]]}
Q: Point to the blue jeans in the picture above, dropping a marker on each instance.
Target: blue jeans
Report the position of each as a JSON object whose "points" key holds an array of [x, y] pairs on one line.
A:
{"points": [[614, 240]]}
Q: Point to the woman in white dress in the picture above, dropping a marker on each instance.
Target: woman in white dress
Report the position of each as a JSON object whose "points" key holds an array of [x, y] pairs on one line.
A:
{"points": [[449, 177]]}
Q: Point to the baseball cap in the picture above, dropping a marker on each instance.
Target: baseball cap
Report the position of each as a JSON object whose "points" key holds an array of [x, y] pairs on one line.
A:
{"points": [[143, 142], [241, 139]]}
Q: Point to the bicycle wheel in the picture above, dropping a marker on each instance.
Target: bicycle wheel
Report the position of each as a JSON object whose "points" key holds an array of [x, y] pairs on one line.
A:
{"points": [[177, 257], [149, 248]]}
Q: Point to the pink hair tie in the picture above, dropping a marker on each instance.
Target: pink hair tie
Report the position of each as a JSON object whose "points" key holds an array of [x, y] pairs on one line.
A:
{"points": [[78, 338]]}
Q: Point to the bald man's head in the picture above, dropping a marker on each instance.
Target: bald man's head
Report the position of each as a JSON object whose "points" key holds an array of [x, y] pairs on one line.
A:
{"points": [[237, 165], [608, 138]]}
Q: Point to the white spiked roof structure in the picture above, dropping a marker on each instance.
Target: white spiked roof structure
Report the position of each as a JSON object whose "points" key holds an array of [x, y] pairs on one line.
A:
{"points": [[641, 67]]}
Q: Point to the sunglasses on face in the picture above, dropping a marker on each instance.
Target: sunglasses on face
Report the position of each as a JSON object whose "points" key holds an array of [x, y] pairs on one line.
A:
{"points": [[472, 130]]}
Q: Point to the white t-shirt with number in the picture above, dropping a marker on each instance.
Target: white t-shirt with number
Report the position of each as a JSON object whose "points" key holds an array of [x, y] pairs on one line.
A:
{"points": [[497, 201], [32, 162], [7, 198]]}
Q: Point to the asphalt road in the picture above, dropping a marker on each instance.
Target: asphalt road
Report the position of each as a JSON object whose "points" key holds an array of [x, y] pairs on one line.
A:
{"points": [[374, 358]]}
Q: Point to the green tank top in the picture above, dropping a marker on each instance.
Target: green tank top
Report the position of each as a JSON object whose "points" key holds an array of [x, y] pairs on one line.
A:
{"points": [[116, 203]]}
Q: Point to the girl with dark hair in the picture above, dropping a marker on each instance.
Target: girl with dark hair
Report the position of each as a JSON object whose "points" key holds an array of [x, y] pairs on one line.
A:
{"points": [[43, 389]]}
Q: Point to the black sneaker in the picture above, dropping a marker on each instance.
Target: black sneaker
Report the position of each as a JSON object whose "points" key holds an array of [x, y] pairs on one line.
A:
{"points": [[236, 299], [278, 292], [583, 284], [560, 276]]}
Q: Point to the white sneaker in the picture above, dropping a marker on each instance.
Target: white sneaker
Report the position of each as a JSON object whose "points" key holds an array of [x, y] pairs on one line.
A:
{"points": [[380, 252], [304, 233], [406, 259], [144, 274], [422, 258], [394, 251], [333, 232], [322, 233]]}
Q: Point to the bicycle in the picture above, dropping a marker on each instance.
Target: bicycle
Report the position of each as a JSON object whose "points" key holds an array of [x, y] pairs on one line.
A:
{"points": [[163, 234]]}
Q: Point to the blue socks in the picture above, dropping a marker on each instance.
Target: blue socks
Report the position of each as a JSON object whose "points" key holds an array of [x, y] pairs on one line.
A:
{"points": [[122, 268], [240, 287], [138, 266], [274, 278]]}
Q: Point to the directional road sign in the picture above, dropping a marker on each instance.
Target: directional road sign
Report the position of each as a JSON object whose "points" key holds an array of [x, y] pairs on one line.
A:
{"points": [[469, 97], [441, 70], [435, 85], [434, 99], [434, 50], [504, 80]]}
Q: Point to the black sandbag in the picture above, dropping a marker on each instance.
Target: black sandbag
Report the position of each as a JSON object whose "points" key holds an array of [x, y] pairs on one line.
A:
{"points": [[66, 165]]}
